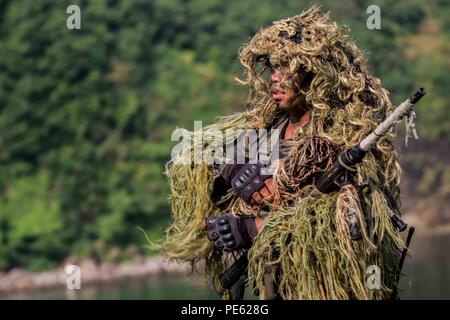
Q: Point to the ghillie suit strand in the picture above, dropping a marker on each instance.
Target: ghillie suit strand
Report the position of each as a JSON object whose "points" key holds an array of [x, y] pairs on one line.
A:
{"points": [[307, 245]]}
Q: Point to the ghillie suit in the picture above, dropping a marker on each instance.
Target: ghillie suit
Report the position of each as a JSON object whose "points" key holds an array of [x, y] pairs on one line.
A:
{"points": [[306, 244]]}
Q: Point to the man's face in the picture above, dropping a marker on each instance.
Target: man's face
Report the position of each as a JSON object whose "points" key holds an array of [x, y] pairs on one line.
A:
{"points": [[286, 97]]}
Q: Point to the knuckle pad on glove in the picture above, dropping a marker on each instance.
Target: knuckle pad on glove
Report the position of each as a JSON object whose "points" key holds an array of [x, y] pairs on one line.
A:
{"points": [[231, 243], [222, 221], [225, 229], [227, 237], [212, 235], [210, 223], [219, 244]]}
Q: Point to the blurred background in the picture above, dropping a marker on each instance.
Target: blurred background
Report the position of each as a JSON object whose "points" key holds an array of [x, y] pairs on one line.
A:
{"points": [[86, 117]]}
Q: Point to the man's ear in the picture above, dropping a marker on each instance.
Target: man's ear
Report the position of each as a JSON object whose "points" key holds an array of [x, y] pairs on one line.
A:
{"points": [[303, 80], [308, 79]]}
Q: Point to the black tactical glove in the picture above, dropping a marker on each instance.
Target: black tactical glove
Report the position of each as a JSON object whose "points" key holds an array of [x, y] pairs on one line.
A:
{"points": [[248, 180], [231, 233]]}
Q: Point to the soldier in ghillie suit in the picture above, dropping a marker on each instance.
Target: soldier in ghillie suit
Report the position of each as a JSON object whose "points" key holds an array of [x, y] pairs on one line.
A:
{"points": [[308, 78]]}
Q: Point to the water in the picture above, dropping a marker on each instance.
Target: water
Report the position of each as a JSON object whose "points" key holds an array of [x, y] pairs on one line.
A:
{"points": [[160, 288], [427, 272], [427, 276]]}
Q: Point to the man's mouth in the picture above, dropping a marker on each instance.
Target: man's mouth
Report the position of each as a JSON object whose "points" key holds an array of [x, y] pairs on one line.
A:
{"points": [[277, 93], [277, 97]]}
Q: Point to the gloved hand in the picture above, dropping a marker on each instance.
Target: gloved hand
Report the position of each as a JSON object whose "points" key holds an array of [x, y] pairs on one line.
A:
{"points": [[231, 233], [249, 180]]}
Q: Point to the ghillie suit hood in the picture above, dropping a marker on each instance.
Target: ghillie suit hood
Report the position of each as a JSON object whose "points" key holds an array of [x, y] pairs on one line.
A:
{"points": [[315, 257]]}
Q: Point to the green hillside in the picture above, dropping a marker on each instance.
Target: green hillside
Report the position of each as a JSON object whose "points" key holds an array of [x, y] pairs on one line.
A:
{"points": [[86, 115]]}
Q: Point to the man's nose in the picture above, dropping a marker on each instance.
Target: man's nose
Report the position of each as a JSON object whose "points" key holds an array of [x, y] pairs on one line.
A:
{"points": [[275, 76]]}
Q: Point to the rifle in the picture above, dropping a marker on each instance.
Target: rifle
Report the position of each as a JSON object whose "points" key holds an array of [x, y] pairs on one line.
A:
{"points": [[402, 260], [332, 179], [234, 272], [338, 175], [346, 162]]}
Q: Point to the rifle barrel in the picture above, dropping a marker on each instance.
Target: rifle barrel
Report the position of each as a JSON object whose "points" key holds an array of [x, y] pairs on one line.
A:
{"points": [[402, 260], [398, 113]]}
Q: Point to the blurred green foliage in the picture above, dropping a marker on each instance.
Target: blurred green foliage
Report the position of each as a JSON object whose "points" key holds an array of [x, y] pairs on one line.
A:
{"points": [[86, 115]]}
